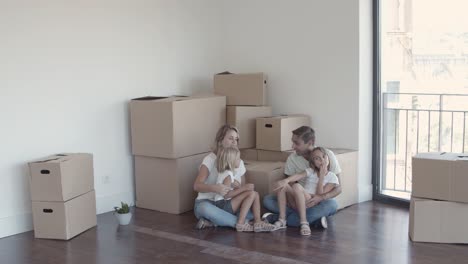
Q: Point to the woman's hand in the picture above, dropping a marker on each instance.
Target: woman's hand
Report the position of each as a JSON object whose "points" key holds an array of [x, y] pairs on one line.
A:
{"points": [[249, 186], [281, 184], [221, 189], [235, 184]]}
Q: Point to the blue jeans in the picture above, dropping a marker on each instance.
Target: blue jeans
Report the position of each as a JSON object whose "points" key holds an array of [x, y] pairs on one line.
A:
{"points": [[208, 210], [324, 208]]}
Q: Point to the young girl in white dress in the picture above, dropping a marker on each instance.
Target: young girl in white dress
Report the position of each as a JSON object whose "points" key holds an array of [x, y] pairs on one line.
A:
{"points": [[227, 162]]}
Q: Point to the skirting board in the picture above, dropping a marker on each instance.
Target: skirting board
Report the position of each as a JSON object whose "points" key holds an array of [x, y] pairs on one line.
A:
{"points": [[16, 224]]}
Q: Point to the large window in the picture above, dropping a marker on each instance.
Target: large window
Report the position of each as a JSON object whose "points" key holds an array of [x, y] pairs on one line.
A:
{"points": [[422, 81]]}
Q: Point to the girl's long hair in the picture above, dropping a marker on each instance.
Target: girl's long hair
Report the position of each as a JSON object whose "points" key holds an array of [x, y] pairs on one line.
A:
{"points": [[226, 158]]}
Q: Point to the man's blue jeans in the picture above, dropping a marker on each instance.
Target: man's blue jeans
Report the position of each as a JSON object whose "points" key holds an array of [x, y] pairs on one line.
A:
{"points": [[207, 210], [324, 208]]}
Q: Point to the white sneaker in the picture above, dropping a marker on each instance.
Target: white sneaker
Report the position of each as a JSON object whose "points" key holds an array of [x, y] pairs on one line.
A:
{"points": [[270, 217], [203, 223], [324, 222]]}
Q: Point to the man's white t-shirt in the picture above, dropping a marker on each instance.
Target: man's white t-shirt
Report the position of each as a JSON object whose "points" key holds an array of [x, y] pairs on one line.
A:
{"points": [[210, 162], [296, 164], [311, 180]]}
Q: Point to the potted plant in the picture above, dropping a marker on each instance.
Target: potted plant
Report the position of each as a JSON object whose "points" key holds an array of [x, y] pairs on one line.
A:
{"points": [[123, 214]]}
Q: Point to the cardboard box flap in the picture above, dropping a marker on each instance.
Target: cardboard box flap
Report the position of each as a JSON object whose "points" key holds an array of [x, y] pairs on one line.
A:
{"points": [[438, 156], [151, 98], [224, 73], [463, 157], [282, 116], [54, 158]]}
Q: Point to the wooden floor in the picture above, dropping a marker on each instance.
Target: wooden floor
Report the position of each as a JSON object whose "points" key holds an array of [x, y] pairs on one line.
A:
{"points": [[370, 232]]}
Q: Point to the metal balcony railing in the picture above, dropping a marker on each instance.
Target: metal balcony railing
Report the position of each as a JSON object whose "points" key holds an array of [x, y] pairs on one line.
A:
{"points": [[419, 122]]}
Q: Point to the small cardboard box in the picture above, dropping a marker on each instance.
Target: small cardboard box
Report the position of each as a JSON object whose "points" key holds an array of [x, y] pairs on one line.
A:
{"points": [[61, 177], [264, 175], [268, 155], [248, 154], [438, 221], [166, 185], [64, 220], [441, 176], [175, 127], [274, 133], [243, 117], [241, 89]]}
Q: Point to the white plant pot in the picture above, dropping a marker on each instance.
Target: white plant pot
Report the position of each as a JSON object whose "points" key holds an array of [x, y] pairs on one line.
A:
{"points": [[124, 219]]}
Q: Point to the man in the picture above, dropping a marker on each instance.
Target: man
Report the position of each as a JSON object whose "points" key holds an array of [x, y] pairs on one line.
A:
{"points": [[319, 206]]}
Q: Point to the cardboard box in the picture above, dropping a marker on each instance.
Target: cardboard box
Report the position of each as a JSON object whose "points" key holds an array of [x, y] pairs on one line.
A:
{"points": [[64, 220], [61, 177], [274, 133], [348, 160], [248, 154], [268, 155], [166, 185], [175, 127], [241, 89], [438, 221], [441, 176], [264, 175], [243, 117]]}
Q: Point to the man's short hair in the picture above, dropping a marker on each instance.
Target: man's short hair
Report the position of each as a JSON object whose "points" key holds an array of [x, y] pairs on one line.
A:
{"points": [[305, 133]]}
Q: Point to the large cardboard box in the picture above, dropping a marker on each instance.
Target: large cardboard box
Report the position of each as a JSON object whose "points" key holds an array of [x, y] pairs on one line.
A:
{"points": [[348, 160], [174, 127], [268, 155], [243, 117], [264, 175], [64, 220], [248, 154], [166, 185], [61, 177], [241, 89], [438, 221], [274, 133], [441, 176]]}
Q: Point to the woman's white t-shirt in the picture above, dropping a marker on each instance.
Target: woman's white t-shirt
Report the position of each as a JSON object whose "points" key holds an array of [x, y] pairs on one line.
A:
{"points": [[311, 180], [210, 162]]}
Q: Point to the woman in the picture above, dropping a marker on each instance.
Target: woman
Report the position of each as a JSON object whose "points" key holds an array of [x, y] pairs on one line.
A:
{"points": [[205, 184]]}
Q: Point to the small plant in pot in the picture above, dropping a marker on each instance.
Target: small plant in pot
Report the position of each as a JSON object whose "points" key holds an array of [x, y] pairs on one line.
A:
{"points": [[123, 214]]}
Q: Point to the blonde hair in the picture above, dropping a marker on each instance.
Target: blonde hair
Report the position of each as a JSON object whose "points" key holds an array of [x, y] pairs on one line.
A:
{"points": [[311, 159], [222, 131], [226, 158]]}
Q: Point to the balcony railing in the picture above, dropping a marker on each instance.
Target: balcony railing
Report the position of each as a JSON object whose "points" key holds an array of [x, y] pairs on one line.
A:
{"points": [[419, 122]]}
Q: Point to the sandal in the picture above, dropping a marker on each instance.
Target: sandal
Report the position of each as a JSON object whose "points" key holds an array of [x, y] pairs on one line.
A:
{"points": [[244, 227], [280, 224], [264, 227], [305, 229]]}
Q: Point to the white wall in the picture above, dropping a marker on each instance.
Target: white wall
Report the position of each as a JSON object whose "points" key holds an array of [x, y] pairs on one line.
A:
{"points": [[317, 55], [67, 72], [365, 100], [68, 69]]}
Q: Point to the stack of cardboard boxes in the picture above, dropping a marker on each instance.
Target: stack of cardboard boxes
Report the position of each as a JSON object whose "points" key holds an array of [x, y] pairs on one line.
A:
{"points": [[266, 140], [247, 110], [439, 203], [62, 194], [170, 138], [172, 135]]}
